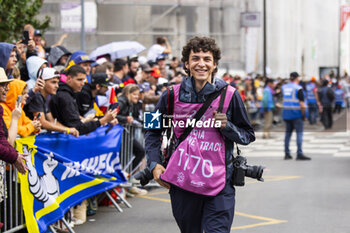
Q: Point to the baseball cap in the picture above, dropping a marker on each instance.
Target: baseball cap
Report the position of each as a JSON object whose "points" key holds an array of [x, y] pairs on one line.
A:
{"points": [[49, 73], [100, 78], [3, 76], [37, 32], [144, 87], [145, 67], [101, 60], [160, 57], [133, 57], [80, 57], [94, 64], [77, 58], [156, 73]]}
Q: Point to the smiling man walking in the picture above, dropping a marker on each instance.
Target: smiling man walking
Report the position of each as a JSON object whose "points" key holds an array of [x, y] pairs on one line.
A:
{"points": [[199, 170]]}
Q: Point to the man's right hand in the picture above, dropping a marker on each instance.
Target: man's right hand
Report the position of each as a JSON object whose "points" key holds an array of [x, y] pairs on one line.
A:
{"points": [[157, 171], [130, 119], [74, 132], [108, 117], [17, 111], [36, 124], [39, 85], [20, 164]]}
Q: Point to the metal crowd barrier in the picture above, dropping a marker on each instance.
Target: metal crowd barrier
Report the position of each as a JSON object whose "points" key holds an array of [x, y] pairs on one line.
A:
{"points": [[126, 151], [11, 212]]}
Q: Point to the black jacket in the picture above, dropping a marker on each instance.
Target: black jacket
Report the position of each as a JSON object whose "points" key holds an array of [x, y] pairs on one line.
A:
{"points": [[85, 101], [64, 107], [127, 109], [326, 96]]}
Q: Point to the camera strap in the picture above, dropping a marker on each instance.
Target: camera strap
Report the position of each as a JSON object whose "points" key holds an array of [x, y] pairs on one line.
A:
{"points": [[238, 150], [222, 100], [170, 100], [233, 156], [170, 111], [169, 131]]}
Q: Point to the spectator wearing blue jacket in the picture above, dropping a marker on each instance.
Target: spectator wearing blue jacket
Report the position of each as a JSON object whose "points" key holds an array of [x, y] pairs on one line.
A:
{"points": [[312, 101], [294, 114], [339, 99], [268, 105]]}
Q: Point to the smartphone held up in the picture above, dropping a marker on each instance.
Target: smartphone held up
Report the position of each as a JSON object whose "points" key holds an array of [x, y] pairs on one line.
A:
{"points": [[25, 37]]}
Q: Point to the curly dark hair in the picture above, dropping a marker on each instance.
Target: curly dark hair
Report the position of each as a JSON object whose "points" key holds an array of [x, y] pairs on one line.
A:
{"points": [[197, 44]]}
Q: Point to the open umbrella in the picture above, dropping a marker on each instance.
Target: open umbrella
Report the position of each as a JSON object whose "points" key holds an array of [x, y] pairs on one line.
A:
{"points": [[118, 49]]}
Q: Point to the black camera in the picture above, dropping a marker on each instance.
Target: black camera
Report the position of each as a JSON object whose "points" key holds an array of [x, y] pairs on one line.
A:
{"points": [[144, 176], [241, 169]]}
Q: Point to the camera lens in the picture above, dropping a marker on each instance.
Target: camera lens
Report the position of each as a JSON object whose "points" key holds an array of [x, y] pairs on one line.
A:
{"points": [[144, 176], [255, 172]]}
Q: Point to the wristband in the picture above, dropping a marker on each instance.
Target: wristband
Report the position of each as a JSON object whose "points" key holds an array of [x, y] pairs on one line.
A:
{"points": [[67, 131]]}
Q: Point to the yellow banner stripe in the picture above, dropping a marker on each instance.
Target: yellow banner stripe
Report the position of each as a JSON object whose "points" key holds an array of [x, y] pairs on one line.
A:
{"points": [[27, 197], [67, 194]]}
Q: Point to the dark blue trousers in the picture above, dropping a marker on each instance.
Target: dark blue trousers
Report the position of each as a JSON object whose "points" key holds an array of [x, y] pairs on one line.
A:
{"points": [[313, 112], [298, 125], [194, 213]]}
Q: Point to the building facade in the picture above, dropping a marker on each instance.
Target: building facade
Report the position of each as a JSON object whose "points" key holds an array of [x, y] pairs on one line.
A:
{"points": [[302, 35]]}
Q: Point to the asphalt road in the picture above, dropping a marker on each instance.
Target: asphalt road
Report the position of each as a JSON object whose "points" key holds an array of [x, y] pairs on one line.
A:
{"points": [[296, 197]]}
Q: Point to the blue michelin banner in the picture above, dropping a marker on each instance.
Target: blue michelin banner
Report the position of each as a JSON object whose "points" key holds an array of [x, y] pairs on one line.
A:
{"points": [[64, 171]]}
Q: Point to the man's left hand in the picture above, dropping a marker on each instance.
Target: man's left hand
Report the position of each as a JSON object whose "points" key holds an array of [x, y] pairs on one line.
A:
{"points": [[220, 117]]}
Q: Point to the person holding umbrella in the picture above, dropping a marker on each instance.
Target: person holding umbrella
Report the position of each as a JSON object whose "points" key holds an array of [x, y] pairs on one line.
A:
{"points": [[161, 46]]}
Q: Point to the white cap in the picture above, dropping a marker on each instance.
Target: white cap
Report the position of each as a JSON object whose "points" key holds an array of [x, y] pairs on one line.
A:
{"points": [[101, 60], [142, 60], [162, 80], [3, 76], [49, 73]]}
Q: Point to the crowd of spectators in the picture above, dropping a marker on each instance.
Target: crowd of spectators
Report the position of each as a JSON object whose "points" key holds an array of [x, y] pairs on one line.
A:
{"points": [[264, 100], [53, 89]]}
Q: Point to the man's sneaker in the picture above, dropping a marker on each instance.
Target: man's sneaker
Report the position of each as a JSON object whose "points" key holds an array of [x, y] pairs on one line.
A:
{"points": [[303, 157], [129, 194], [287, 156], [77, 221], [137, 191], [134, 181]]}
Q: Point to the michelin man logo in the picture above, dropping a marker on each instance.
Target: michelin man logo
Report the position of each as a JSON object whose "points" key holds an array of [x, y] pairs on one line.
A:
{"points": [[151, 120], [44, 188]]}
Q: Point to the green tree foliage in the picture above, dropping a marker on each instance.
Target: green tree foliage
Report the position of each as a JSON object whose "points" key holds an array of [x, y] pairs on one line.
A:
{"points": [[14, 14]]}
